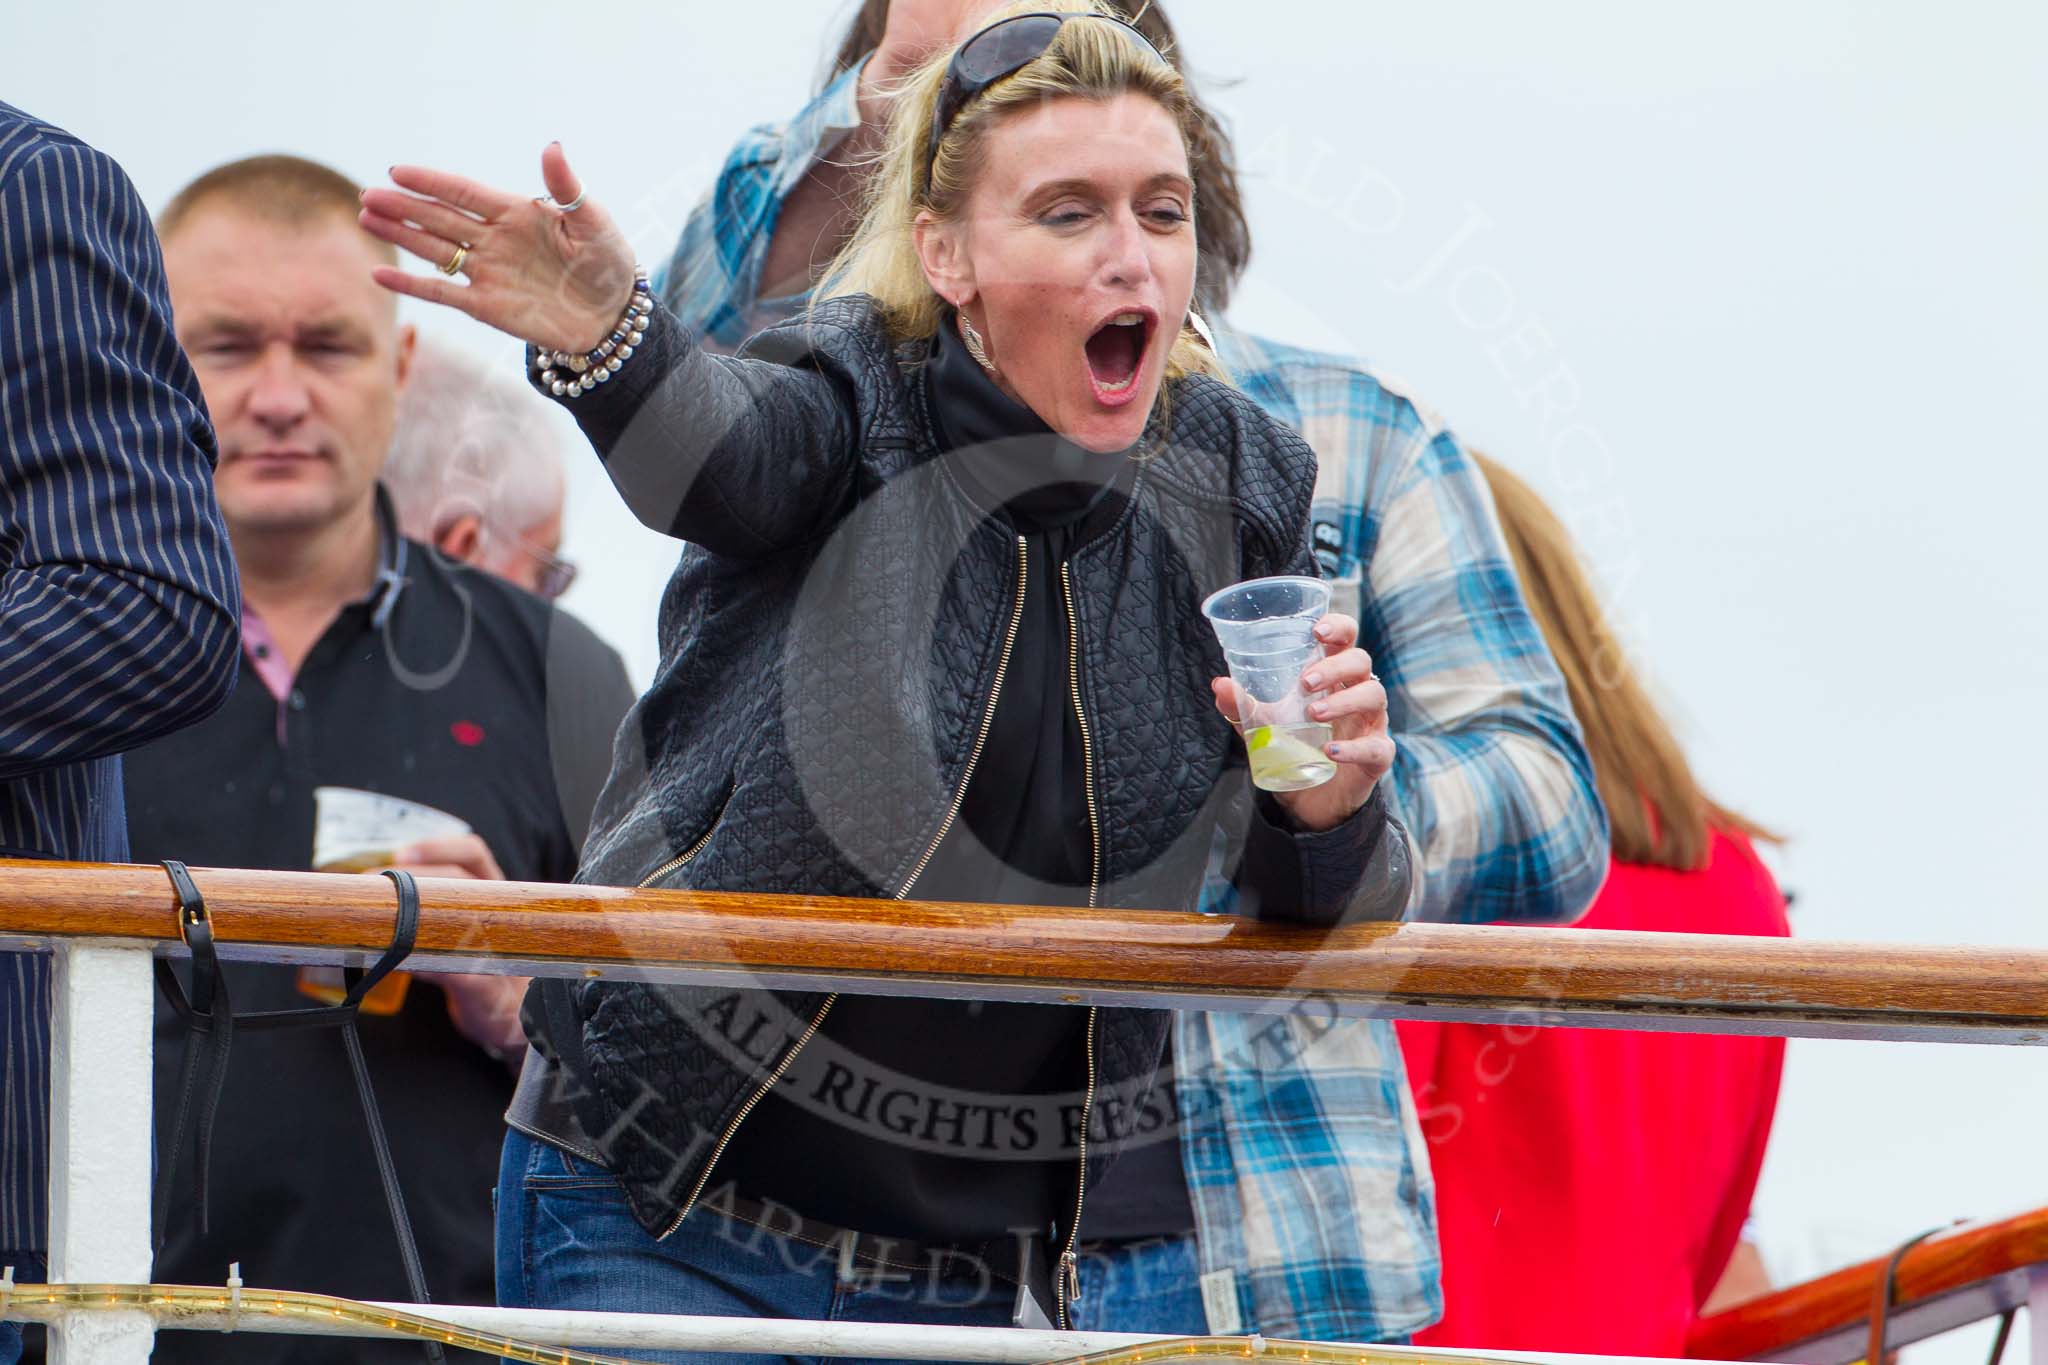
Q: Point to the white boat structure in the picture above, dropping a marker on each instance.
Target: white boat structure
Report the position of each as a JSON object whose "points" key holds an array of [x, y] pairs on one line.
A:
{"points": [[104, 926]]}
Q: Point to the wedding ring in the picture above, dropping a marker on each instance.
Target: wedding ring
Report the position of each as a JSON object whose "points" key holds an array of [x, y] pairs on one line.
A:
{"points": [[454, 266]]}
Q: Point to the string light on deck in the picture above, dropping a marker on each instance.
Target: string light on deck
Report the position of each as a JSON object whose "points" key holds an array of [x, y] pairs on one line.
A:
{"points": [[1245, 1348], [174, 1301]]}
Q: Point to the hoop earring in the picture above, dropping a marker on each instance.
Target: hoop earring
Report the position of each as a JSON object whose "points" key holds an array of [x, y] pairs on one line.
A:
{"points": [[975, 346]]}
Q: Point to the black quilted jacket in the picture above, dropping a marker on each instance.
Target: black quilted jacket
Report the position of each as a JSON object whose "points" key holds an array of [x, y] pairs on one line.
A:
{"points": [[831, 640]]}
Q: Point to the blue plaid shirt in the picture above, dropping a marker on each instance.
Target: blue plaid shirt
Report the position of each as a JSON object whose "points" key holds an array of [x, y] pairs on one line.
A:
{"points": [[1315, 1210]]}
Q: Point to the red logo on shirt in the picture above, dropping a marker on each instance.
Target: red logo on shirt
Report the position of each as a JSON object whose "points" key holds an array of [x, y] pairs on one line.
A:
{"points": [[467, 733]]}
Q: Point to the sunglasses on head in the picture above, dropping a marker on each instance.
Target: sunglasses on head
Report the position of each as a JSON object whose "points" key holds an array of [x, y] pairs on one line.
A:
{"points": [[1003, 49]]}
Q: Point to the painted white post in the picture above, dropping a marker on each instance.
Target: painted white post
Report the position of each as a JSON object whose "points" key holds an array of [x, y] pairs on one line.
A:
{"points": [[2037, 1314], [100, 1035]]}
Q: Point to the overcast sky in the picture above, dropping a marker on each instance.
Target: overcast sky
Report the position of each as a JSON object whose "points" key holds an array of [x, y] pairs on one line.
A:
{"points": [[1754, 291]]}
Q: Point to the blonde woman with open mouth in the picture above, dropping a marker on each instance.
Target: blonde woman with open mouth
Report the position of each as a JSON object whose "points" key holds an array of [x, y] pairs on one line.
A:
{"points": [[936, 633]]}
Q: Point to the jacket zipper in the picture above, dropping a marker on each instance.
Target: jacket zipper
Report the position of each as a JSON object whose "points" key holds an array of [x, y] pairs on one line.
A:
{"points": [[1087, 744], [1068, 1291], [774, 1078], [684, 859], [988, 716]]}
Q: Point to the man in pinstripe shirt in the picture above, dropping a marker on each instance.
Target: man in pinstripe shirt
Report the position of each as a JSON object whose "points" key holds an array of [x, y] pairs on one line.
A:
{"points": [[119, 605]]}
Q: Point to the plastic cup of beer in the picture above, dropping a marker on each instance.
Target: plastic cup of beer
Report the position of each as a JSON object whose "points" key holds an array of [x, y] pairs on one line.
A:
{"points": [[355, 831], [1267, 628]]}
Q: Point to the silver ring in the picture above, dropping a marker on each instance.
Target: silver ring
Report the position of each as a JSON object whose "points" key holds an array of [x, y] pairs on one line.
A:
{"points": [[574, 204]]}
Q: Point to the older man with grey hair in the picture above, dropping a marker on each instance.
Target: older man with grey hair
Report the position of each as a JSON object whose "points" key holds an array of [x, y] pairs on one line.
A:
{"points": [[475, 470]]}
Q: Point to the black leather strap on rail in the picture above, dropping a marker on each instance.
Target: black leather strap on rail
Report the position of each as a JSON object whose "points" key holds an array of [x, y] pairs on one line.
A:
{"points": [[1885, 1297], [2005, 1334], [360, 985], [211, 1025], [209, 1032]]}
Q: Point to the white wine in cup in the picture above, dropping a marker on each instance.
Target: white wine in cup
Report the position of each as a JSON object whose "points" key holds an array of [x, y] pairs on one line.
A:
{"points": [[1267, 629]]}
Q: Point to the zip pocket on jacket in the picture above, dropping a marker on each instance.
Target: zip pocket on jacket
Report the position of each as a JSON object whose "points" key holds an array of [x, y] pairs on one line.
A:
{"points": [[689, 855]]}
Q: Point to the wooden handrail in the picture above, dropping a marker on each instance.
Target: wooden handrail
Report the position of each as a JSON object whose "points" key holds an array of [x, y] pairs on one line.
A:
{"points": [[1674, 982], [1943, 1264]]}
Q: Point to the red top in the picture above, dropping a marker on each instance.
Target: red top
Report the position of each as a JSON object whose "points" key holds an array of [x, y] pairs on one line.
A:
{"points": [[1592, 1183]]}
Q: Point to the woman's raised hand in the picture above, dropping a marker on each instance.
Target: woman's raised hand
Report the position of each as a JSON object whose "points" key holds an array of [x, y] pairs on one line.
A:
{"points": [[553, 278]]}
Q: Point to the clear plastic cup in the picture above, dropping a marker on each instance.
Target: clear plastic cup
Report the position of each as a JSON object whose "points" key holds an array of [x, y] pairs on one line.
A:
{"points": [[1267, 628]]}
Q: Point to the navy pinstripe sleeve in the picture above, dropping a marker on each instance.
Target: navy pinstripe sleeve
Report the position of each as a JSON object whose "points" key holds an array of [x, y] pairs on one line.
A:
{"points": [[119, 609], [120, 612]]}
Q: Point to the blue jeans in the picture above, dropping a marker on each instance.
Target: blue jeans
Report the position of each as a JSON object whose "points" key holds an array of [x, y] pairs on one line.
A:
{"points": [[566, 1239], [1148, 1286]]}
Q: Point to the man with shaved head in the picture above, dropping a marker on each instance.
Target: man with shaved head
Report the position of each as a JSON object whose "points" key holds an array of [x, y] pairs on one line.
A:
{"points": [[371, 664]]}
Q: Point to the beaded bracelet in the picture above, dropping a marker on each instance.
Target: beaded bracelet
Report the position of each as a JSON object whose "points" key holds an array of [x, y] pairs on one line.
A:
{"points": [[588, 369]]}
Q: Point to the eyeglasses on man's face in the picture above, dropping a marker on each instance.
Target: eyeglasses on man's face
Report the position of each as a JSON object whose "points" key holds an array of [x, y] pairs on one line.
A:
{"points": [[550, 574]]}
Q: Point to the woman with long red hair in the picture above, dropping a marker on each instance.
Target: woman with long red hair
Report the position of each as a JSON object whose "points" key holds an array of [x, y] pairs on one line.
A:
{"points": [[1592, 1184]]}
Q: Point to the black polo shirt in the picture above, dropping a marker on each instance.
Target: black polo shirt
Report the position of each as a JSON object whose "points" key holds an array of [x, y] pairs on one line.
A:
{"points": [[445, 686]]}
